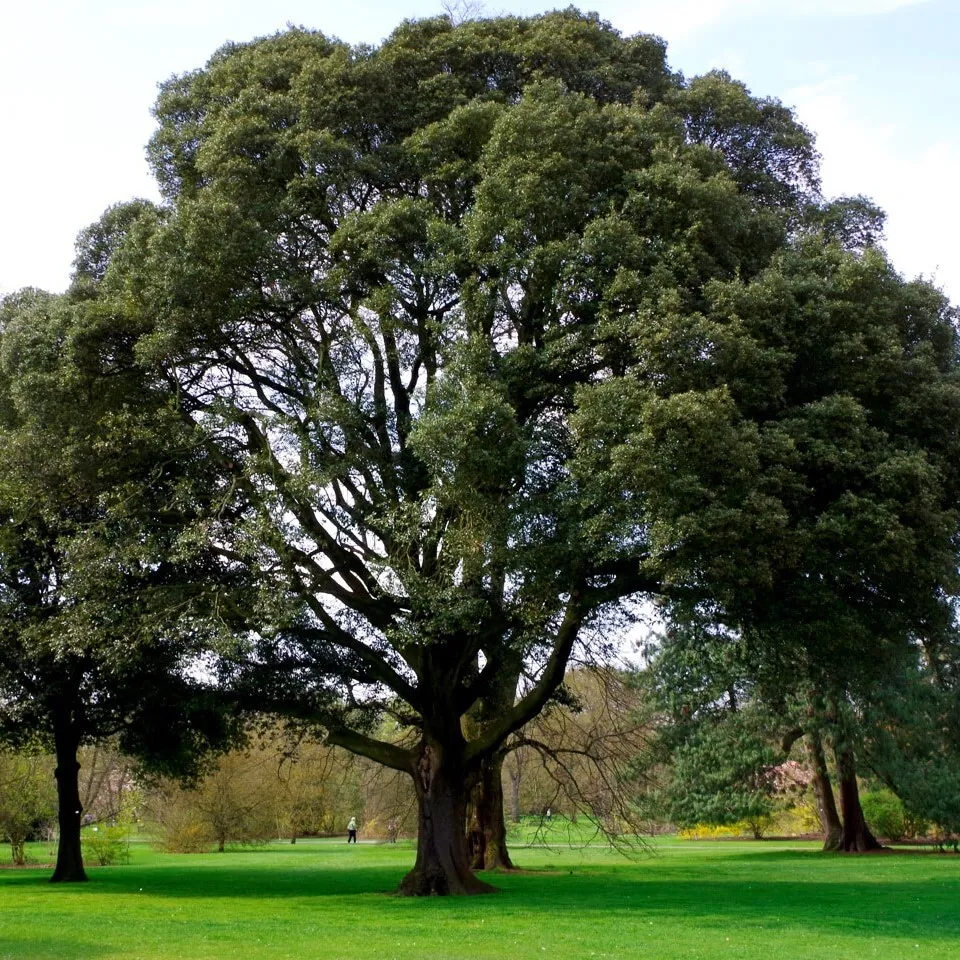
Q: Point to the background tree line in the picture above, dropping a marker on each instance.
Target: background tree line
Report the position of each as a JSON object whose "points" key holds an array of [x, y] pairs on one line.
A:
{"points": [[608, 762]]}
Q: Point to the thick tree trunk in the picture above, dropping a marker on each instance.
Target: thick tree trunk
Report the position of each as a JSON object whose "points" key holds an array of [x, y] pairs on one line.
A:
{"points": [[69, 868], [443, 865], [855, 836], [823, 791], [488, 830]]}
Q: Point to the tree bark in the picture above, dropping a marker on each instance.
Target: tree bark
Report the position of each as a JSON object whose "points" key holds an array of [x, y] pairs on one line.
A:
{"points": [[823, 791], [443, 865], [515, 791], [855, 836], [488, 830], [69, 868]]}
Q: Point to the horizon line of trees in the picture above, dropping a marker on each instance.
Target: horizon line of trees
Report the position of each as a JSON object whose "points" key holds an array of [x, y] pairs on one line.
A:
{"points": [[606, 757]]}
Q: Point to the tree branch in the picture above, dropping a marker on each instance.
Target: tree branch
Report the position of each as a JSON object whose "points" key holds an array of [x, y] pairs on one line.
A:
{"points": [[388, 754], [530, 705]]}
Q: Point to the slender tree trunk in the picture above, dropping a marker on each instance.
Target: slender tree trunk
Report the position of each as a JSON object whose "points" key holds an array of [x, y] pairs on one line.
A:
{"points": [[515, 793], [823, 791], [488, 830], [17, 852], [443, 865], [69, 868], [855, 836]]}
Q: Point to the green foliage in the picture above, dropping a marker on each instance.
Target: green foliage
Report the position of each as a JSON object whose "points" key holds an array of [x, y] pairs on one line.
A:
{"points": [[407, 267], [107, 845], [723, 773], [99, 496], [27, 798], [885, 814], [721, 114], [913, 737], [792, 446], [98, 244]]}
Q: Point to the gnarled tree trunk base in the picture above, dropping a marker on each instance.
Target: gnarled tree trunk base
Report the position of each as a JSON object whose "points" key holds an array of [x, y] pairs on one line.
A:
{"points": [[443, 865], [831, 842], [433, 881], [855, 836], [858, 841]]}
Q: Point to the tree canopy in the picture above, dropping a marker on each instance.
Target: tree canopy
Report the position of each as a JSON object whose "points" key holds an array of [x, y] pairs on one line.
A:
{"points": [[104, 590], [497, 327]]}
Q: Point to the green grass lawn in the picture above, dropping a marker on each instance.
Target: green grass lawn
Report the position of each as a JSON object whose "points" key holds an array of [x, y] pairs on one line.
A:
{"points": [[324, 899]]}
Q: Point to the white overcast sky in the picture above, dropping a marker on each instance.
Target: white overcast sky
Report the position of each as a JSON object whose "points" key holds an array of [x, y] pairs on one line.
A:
{"points": [[878, 81]]}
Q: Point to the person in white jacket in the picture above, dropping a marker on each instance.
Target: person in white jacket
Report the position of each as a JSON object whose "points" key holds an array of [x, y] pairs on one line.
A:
{"points": [[352, 830]]}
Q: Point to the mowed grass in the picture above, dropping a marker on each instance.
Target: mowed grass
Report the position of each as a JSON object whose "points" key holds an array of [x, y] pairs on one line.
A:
{"points": [[324, 899]]}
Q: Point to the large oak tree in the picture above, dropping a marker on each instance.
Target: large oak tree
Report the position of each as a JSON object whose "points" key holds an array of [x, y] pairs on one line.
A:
{"points": [[388, 278]]}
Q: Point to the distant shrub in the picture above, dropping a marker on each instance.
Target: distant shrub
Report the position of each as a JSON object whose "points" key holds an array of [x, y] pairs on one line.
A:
{"points": [[757, 826], [186, 836], [107, 845], [798, 820], [884, 814], [708, 831], [915, 826]]}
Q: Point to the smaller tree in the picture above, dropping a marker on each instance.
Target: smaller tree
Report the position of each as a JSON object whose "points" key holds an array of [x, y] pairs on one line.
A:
{"points": [[724, 773], [236, 802], [105, 587], [305, 802], [911, 736], [27, 797]]}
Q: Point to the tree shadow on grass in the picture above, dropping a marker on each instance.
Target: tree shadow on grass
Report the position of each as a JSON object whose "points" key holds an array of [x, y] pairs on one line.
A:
{"points": [[228, 880], [788, 889], [823, 898], [51, 948]]}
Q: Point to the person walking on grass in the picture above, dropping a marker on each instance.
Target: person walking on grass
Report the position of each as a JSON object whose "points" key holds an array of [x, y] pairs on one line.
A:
{"points": [[352, 830]]}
